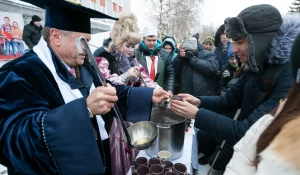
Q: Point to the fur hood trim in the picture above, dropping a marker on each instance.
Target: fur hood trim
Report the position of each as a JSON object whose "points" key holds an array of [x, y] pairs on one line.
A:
{"points": [[282, 43]]}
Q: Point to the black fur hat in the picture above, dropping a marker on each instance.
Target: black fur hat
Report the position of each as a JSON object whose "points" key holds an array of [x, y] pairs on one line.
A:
{"points": [[259, 24]]}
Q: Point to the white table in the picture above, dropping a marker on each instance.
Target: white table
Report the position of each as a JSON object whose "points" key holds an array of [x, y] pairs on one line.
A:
{"points": [[186, 157]]}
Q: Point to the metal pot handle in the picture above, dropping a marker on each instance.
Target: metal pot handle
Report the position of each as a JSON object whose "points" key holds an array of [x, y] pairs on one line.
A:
{"points": [[164, 127]]}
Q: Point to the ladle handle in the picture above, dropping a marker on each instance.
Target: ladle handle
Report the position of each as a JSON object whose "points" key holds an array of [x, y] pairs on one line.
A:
{"points": [[93, 63]]}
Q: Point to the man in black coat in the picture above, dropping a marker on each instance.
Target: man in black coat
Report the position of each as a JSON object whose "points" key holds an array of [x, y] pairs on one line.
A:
{"points": [[32, 32], [195, 69], [257, 30]]}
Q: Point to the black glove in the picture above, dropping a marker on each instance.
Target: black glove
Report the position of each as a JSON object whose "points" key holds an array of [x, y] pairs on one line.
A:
{"points": [[189, 55]]}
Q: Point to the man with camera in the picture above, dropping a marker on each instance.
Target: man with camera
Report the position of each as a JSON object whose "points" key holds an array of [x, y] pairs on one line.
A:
{"points": [[195, 69]]}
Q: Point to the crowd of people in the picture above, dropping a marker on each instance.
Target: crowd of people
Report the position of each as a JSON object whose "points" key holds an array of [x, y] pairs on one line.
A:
{"points": [[56, 116]]}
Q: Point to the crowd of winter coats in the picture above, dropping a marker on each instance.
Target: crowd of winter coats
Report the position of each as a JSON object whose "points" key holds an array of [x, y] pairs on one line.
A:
{"points": [[223, 83]]}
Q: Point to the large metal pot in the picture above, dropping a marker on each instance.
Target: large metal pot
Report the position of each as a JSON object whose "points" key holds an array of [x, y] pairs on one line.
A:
{"points": [[171, 132]]}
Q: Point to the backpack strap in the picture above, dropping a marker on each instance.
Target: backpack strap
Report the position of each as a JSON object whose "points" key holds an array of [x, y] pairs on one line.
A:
{"points": [[268, 79], [270, 75]]}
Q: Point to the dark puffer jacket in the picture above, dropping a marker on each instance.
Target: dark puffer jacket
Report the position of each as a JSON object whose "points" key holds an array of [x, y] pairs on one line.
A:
{"points": [[32, 34], [244, 94], [198, 76], [165, 72]]}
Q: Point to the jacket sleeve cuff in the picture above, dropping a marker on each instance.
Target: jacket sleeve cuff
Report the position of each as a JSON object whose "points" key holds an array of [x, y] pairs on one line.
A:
{"points": [[139, 104]]}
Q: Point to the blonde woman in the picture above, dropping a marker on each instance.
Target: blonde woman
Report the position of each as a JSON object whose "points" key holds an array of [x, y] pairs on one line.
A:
{"points": [[17, 35], [117, 62], [118, 65]]}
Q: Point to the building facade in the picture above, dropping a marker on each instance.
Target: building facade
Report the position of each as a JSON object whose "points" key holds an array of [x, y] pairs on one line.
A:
{"points": [[109, 7], [27, 10]]}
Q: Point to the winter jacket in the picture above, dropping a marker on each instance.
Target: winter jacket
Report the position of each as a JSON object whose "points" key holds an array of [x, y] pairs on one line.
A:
{"points": [[171, 42], [165, 72], [197, 76], [245, 150], [245, 92], [221, 57], [277, 158], [108, 65], [32, 34]]}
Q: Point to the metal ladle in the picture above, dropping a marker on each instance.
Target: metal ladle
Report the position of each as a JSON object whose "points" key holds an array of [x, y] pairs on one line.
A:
{"points": [[91, 59]]}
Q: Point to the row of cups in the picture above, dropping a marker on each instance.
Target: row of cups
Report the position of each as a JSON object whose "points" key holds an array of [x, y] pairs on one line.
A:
{"points": [[157, 166]]}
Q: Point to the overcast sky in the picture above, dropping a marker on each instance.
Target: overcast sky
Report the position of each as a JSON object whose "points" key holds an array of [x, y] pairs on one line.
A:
{"points": [[213, 11]]}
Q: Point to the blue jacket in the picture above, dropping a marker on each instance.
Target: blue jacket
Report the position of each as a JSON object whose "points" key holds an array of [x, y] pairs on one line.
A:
{"points": [[246, 91]]}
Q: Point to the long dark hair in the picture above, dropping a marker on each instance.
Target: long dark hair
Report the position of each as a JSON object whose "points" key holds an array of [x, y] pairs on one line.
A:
{"points": [[290, 111]]}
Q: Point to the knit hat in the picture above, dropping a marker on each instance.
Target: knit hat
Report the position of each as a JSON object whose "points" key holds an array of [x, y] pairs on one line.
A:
{"points": [[149, 32], [295, 61], [35, 18], [209, 39], [190, 43]]}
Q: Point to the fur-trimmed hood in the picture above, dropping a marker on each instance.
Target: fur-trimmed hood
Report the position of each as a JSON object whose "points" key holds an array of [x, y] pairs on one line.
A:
{"points": [[282, 43], [171, 42], [270, 37]]}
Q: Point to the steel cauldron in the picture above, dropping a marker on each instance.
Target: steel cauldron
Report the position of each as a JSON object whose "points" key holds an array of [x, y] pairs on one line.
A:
{"points": [[171, 132]]}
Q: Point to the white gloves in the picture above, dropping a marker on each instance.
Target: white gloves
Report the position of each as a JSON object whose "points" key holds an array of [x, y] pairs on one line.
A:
{"points": [[226, 73]]}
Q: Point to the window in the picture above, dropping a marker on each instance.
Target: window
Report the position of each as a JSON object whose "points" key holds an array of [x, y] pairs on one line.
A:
{"points": [[114, 1], [114, 7], [103, 3], [93, 5]]}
